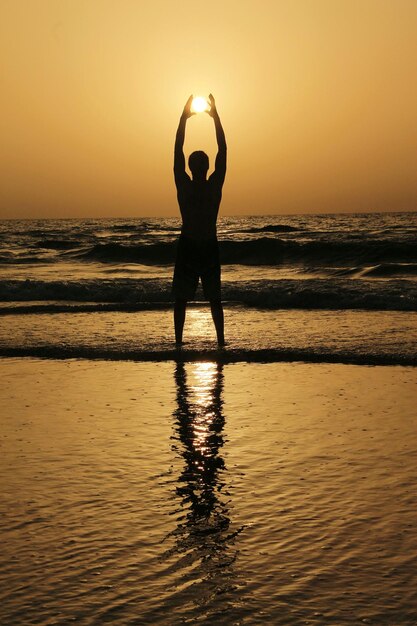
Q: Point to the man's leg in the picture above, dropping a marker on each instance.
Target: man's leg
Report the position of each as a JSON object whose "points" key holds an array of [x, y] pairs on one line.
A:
{"points": [[179, 319], [218, 319]]}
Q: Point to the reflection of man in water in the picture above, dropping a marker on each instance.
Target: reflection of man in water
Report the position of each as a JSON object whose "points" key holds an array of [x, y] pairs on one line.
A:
{"points": [[204, 536], [199, 200], [199, 425]]}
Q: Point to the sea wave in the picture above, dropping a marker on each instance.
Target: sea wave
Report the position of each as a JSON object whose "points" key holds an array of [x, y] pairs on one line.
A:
{"points": [[317, 293], [150, 244], [55, 244], [272, 228], [29, 259], [158, 254], [263, 251], [391, 269], [143, 227], [42, 232]]}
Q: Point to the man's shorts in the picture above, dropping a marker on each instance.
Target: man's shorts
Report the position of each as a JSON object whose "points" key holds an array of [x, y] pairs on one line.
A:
{"points": [[195, 260]]}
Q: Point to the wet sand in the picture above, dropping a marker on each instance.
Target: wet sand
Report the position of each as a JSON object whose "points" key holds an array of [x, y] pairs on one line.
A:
{"points": [[162, 493]]}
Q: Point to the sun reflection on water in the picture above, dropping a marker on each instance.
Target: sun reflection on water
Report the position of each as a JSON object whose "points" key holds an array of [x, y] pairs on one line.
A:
{"points": [[204, 532], [201, 422], [203, 382], [199, 327]]}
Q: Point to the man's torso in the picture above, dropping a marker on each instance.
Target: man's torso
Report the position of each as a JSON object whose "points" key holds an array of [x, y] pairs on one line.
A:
{"points": [[199, 203]]}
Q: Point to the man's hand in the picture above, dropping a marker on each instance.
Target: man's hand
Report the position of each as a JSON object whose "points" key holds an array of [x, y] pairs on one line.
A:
{"points": [[187, 109], [212, 111]]}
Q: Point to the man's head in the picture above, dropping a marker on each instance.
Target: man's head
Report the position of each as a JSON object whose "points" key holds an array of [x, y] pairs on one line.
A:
{"points": [[198, 163]]}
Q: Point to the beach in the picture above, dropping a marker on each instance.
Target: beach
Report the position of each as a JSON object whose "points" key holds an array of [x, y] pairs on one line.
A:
{"points": [[196, 492], [271, 481], [208, 313]]}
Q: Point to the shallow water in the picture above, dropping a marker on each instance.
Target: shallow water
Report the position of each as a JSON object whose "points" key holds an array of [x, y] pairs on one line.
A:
{"points": [[143, 493], [251, 334]]}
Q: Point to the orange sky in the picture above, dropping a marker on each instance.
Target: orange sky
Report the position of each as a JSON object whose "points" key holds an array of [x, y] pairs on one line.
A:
{"points": [[318, 99]]}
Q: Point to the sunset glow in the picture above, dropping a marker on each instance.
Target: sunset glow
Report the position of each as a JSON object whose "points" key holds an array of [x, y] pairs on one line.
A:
{"points": [[317, 99]]}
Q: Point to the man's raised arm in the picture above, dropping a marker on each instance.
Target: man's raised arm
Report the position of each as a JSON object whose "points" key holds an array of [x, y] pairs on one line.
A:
{"points": [[179, 158], [220, 166]]}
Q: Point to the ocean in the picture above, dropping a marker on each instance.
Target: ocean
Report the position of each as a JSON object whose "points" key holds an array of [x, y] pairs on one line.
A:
{"points": [[269, 482], [350, 282]]}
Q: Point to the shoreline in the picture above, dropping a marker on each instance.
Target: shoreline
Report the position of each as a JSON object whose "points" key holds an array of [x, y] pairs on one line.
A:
{"points": [[221, 356], [359, 338]]}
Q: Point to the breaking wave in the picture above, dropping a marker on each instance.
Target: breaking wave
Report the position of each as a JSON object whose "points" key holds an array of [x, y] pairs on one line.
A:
{"points": [[263, 251], [392, 269], [342, 293]]}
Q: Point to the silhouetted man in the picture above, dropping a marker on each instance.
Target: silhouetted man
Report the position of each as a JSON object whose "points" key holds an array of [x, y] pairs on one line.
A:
{"points": [[199, 201]]}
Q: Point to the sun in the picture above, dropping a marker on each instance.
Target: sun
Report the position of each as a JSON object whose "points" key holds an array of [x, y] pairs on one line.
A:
{"points": [[199, 104]]}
